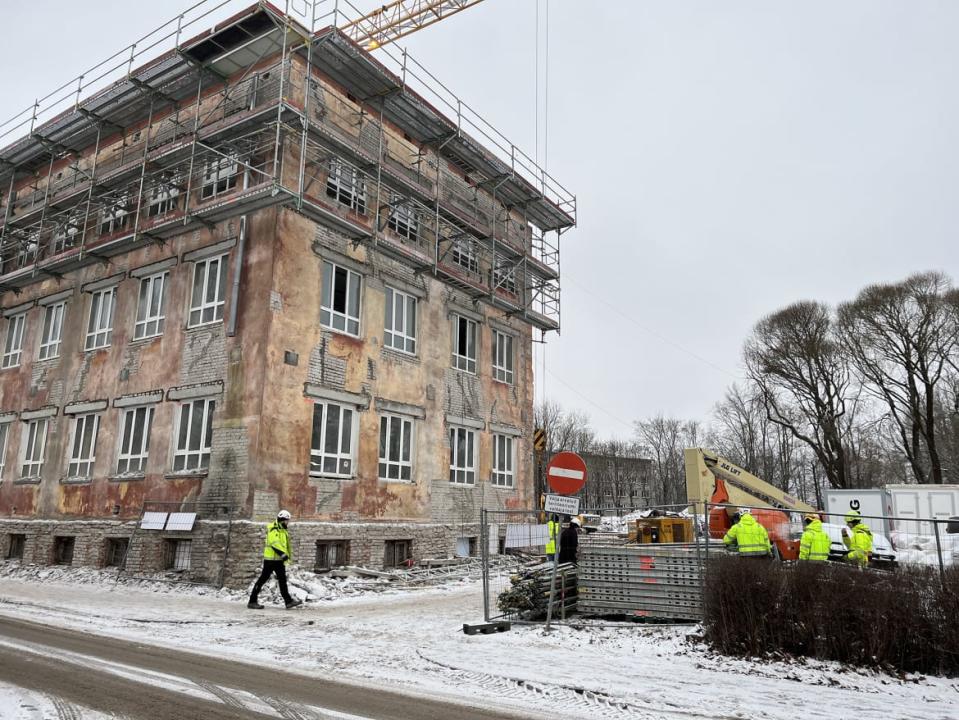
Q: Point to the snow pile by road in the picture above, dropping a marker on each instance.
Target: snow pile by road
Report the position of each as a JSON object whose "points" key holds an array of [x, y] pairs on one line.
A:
{"points": [[304, 584], [412, 640], [923, 550]]}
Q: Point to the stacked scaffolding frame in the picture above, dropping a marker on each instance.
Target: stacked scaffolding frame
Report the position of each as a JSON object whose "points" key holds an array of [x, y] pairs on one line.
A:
{"points": [[238, 118]]}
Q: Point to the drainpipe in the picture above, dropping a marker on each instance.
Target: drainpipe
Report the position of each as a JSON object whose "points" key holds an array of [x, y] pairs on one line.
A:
{"points": [[235, 290]]}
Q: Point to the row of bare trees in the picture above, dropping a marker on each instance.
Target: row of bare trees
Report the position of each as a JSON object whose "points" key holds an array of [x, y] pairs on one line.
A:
{"points": [[860, 395], [867, 387]]}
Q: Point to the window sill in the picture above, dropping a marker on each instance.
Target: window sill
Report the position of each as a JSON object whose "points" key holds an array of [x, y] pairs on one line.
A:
{"points": [[465, 486], [46, 359], [203, 326], [27, 481], [502, 382], [330, 476], [80, 480], [10, 367], [127, 477], [145, 340], [87, 350], [507, 488], [399, 354], [463, 370], [396, 481], [186, 474], [337, 331]]}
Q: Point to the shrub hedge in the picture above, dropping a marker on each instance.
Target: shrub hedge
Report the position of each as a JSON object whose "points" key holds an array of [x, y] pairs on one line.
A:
{"points": [[905, 620]]}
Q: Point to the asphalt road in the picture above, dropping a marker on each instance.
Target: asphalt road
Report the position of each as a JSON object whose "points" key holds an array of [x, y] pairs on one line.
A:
{"points": [[134, 680]]}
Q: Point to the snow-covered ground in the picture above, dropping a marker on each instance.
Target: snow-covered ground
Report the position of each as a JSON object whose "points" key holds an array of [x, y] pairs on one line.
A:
{"points": [[412, 640], [923, 549]]}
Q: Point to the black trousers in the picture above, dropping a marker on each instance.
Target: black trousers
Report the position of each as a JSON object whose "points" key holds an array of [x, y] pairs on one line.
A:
{"points": [[270, 567]]}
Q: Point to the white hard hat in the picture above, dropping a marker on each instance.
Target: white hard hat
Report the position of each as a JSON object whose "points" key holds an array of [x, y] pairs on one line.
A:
{"points": [[283, 515], [745, 511], [577, 521]]}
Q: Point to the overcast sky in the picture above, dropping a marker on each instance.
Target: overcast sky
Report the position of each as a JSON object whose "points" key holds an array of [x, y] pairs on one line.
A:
{"points": [[729, 158]]}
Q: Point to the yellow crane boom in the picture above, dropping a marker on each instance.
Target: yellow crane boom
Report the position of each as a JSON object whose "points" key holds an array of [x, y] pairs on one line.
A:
{"points": [[398, 19], [708, 474]]}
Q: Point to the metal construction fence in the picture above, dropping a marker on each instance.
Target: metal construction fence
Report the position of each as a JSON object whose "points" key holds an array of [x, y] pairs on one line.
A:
{"points": [[620, 574]]}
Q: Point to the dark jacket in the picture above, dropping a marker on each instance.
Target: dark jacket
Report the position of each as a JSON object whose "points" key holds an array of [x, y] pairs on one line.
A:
{"points": [[568, 542]]}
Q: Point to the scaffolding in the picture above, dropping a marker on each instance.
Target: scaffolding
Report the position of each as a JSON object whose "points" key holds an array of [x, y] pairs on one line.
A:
{"points": [[278, 107]]}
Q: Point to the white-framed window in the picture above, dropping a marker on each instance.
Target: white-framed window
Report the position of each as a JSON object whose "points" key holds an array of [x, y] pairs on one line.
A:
{"points": [[13, 349], [164, 195], [396, 448], [502, 357], [135, 424], [52, 333], [504, 463], [404, 220], [340, 306], [464, 254], [504, 276], [194, 435], [83, 445], [400, 327], [151, 306], [34, 445], [346, 185], [100, 327], [4, 433], [462, 456], [331, 445], [464, 343], [209, 291], [115, 215], [219, 175]]}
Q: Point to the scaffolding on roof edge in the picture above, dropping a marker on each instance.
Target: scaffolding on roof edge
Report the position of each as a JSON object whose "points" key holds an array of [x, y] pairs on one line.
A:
{"points": [[160, 184]]}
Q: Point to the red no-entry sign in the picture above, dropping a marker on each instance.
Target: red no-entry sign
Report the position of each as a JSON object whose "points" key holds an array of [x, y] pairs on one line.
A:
{"points": [[566, 473]]}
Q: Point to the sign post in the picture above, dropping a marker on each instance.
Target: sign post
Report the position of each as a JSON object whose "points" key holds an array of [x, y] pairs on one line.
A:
{"points": [[566, 475]]}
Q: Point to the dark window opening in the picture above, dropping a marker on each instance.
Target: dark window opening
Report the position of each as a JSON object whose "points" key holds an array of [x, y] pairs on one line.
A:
{"points": [[399, 553], [15, 549], [63, 550], [116, 551], [177, 554], [331, 553]]}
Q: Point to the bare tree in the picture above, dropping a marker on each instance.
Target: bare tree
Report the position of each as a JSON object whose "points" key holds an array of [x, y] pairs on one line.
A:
{"points": [[565, 429], [793, 358], [665, 439], [903, 339]]}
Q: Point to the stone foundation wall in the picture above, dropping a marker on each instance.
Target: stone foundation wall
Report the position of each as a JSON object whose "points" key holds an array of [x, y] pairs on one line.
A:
{"points": [[239, 543]]}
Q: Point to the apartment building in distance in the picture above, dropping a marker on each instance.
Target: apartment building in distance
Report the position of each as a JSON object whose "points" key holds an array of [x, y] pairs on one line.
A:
{"points": [[265, 269]]}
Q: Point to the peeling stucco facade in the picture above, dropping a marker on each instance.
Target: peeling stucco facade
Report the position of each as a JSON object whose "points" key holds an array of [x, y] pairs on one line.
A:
{"points": [[268, 362]]}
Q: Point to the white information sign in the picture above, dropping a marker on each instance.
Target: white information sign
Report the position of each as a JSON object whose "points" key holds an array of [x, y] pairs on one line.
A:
{"points": [[562, 504]]}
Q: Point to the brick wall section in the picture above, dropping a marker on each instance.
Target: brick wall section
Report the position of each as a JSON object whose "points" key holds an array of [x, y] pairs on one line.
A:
{"points": [[209, 538], [204, 355], [229, 467]]}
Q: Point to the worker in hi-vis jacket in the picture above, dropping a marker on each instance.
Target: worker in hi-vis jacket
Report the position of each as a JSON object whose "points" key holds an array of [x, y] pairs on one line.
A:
{"points": [[857, 537], [748, 536], [815, 542]]}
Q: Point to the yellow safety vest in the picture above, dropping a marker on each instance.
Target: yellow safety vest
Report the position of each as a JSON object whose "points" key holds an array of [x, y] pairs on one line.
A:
{"points": [[750, 537], [815, 542], [552, 529], [277, 539]]}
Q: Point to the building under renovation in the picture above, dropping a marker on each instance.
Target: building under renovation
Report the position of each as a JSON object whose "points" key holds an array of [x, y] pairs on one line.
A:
{"points": [[256, 266]]}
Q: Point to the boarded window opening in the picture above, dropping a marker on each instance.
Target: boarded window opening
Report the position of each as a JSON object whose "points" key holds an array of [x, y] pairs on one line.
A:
{"points": [[116, 551], [63, 550], [177, 554], [399, 553], [332, 553], [15, 548]]}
